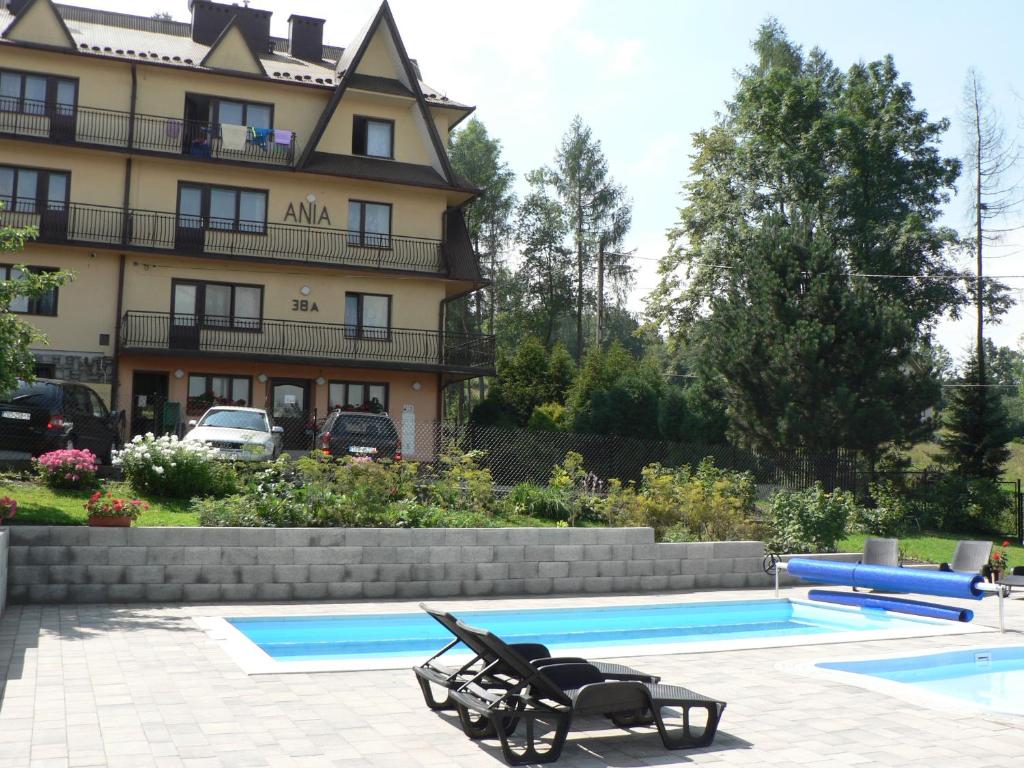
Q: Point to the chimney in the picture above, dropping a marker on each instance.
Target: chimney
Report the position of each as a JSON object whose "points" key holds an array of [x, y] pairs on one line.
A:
{"points": [[209, 19], [306, 38]]}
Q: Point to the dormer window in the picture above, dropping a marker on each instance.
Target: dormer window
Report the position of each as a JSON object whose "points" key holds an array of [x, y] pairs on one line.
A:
{"points": [[373, 137]]}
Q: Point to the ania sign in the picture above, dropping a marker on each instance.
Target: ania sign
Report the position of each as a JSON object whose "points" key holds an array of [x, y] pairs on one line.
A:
{"points": [[308, 213]]}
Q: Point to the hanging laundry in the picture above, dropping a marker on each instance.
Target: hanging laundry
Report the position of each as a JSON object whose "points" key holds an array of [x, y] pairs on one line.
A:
{"points": [[261, 136], [233, 137], [173, 129], [282, 137]]}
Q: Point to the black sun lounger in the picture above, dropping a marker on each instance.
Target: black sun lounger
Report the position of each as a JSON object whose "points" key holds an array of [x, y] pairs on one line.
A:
{"points": [[555, 694], [488, 670]]}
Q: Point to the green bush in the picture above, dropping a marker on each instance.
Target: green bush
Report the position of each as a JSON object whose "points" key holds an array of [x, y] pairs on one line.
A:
{"points": [[956, 504], [529, 500], [706, 504], [549, 417], [168, 467], [890, 513], [461, 483], [810, 520]]}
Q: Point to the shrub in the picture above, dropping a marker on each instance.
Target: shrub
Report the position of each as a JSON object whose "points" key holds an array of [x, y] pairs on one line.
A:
{"points": [[810, 520], [68, 468], [529, 500], [548, 417], [460, 482], [957, 504], [889, 515], [107, 505], [706, 504], [166, 466]]}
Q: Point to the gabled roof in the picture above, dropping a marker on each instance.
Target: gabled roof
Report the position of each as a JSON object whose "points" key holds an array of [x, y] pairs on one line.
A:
{"points": [[35, 11], [347, 66], [392, 171], [229, 43]]}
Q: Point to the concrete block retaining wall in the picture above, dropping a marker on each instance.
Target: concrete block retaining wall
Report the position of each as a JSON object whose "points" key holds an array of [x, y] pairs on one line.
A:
{"points": [[4, 538], [108, 565]]}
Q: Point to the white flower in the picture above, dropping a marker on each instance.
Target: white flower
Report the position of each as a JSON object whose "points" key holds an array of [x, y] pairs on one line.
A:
{"points": [[159, 470]]}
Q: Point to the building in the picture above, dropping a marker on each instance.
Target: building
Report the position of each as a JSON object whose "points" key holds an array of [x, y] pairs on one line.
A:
{"points": [[250, 219]]}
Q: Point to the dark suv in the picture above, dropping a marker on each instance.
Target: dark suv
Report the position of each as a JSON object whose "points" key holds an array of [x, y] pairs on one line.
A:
{"points": [[354, 433], [46, 415]]}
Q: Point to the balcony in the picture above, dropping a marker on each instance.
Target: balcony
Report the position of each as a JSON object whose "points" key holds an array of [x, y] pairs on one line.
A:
{"points": [[110, 129], [303, 342], [109, 227]]}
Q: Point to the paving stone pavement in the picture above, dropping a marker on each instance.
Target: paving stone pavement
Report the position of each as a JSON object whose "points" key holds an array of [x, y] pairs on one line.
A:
{"points": [[144, 687]]}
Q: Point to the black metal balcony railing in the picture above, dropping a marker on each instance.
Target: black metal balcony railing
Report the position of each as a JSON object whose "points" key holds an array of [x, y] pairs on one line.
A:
{"points": [[99, 225], [150, 133], [292, 339]]}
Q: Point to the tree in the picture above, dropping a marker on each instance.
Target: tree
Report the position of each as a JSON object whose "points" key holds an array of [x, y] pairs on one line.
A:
{"points": [[17, 336], [977, 432], [596, 209], [477, 157], [988, 159], [810, 182], [529, 377]]}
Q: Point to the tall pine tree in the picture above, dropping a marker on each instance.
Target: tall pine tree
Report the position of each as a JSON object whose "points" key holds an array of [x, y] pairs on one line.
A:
{"points": [[977, 428]]}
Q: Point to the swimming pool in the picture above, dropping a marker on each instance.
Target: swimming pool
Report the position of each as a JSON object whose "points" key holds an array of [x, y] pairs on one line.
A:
{"points": [[397, 639], [990, 679]]}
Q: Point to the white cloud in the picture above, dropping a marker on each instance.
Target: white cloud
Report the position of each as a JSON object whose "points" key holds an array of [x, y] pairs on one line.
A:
{"points": [[613, 57]]}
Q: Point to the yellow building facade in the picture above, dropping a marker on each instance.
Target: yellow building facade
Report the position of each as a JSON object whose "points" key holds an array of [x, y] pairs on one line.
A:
{"points": [[249, 219]]}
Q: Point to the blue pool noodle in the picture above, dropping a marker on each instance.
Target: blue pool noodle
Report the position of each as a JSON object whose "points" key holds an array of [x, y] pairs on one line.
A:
{"points": [[888, 578], [895, 604]]}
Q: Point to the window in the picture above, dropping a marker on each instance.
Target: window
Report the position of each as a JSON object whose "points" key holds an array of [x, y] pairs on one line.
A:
{"points": [[36, 94], [367, 316], [217, 305], [206, 390], [44, 304], [224, 208], [373, 137], [358, 395], [32, 190], [244, 113], [369, 224]]}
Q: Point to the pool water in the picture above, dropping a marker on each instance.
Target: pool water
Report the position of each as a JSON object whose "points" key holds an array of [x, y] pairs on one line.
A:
{"points": [[304, 638], [991, 678]]}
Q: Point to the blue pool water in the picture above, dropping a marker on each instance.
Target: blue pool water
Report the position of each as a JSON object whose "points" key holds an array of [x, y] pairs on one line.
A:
{"points": [[305, 638], [992, 678]]}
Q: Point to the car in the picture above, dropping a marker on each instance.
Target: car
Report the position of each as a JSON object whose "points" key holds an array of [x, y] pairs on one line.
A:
{"points": [[360, 434], [241, 434], [46, 415]]}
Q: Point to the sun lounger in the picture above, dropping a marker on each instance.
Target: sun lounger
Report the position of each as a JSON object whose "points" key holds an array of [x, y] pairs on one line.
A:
{"points": [[969, 556], [496, 672], [557, 693], [880, 552]]}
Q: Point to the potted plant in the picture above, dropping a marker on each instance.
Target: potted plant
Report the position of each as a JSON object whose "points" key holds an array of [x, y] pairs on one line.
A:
{"points": [[8, 509], [998, 563], [109, 511]]}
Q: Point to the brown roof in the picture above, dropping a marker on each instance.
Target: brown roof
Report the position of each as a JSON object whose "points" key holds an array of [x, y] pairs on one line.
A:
{"points": [[138, 38], [377, 169]]}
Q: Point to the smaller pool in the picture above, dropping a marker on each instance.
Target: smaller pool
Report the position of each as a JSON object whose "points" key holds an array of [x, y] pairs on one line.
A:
{"points": [[985, 678]]}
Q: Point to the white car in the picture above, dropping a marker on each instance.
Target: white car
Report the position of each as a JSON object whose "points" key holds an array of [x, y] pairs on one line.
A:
{"points": [[241, 434]]}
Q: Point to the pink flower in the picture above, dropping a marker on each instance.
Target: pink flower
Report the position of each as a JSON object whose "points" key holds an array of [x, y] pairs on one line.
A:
{"points": [[8, 508]]}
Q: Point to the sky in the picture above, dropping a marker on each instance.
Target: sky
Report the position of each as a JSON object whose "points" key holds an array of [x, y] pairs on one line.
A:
{"points": [[646, 75]]}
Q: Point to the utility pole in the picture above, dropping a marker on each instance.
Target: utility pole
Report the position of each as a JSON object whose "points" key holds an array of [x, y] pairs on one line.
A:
{"points": [[979, 210]]}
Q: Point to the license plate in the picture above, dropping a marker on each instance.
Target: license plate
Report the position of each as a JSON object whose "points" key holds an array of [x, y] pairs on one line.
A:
{"points": [[361, 449], [19, 415]]}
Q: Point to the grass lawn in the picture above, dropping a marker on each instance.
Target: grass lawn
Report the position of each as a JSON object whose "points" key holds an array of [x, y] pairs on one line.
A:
{"points": [[933, 547], [38, 505], [924, 455]]}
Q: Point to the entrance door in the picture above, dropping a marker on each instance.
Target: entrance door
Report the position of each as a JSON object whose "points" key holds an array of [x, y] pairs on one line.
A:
{"points": [[189, 234], [290, 407], [149, 394]]}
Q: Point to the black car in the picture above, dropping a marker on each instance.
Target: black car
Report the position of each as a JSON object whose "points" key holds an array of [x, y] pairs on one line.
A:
{"points": [[46, 415], [353, 433]]}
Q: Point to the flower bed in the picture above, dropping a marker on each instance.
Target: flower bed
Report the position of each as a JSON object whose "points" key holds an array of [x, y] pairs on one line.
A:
{"points": [[172, 468]]}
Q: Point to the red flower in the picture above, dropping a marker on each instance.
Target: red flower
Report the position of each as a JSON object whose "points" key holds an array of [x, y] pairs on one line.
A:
{"points": [[95, 496], [1006, 543]]}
